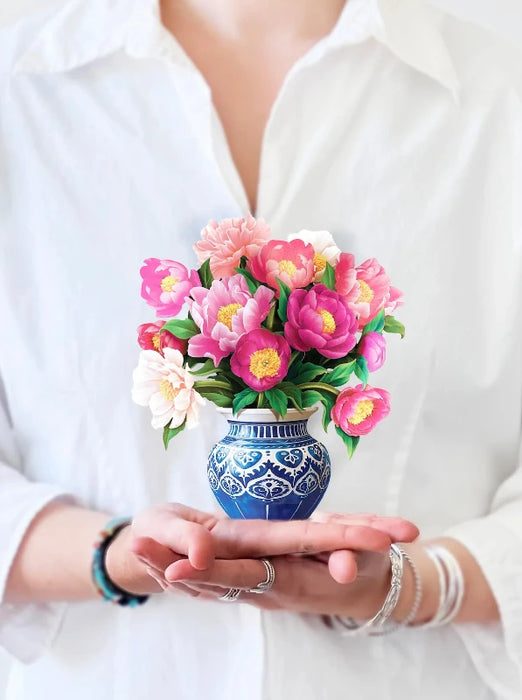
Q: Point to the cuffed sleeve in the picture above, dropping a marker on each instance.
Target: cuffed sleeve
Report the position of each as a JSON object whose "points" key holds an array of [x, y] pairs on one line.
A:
{"points": [[25, 630], [495, 541]]}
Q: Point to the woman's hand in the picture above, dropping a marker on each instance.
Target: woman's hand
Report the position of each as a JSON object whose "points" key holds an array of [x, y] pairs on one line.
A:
{"points": [[170, 543]]}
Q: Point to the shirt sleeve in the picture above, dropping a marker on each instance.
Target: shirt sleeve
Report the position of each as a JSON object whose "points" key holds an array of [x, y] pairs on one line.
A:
{"points": [[25, 630], [495, 541]]}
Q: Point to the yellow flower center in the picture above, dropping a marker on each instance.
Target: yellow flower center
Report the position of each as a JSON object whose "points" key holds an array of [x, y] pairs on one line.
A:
{"points": [[363, 409], [168, 390], [227, 313], [168, 283], [156, 341], [288, 267], [319, 262], [264, 363], [366, 294], [328, 321]]}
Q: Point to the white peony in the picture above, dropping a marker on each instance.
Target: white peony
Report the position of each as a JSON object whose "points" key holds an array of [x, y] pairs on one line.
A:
{"points": [[162, 383]]}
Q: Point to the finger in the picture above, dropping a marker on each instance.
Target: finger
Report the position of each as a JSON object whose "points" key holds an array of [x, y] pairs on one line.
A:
{"points": [[182, 529], [257, 538], [398, 529], [342, 566], [232, 573], [155, 554]]}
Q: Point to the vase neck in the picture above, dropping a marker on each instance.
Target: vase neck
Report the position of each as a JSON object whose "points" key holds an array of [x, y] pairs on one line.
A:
{"points": [[263, 431]]}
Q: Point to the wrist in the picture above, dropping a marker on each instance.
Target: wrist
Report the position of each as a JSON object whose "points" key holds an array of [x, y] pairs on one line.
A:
{"points": [[125, 569]]}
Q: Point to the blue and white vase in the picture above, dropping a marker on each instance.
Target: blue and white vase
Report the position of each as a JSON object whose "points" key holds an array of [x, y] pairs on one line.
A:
{"points": [[268, 467]]}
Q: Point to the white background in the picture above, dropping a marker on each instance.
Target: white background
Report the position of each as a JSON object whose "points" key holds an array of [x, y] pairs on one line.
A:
{"points": [[504, 16]]}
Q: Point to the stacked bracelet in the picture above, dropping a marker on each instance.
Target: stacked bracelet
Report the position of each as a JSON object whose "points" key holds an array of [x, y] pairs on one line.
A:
{"points": [[104, 585], [451, 586]]}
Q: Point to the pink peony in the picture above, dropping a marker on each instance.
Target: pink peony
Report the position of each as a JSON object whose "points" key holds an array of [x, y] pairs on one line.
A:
{"points": [[226, 242], [292, 262], [366, 287], [150, 338], [163, 384], [224, 313], [166, 284], [393, 300], [320, 319], [357, 411], [373, 348], [261, 359], [325, 249]]}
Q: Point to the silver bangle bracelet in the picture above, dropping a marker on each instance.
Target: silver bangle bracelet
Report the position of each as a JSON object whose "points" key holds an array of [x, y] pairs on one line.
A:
{"points": [[411, 616]]}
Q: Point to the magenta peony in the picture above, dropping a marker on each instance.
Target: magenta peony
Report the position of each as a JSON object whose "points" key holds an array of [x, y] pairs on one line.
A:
{"points": [[357, 410], [166, 285], [261, 359], [373, 348], [224, 313], [150, 338], [320, 319], [225, 243], [290, 261]]}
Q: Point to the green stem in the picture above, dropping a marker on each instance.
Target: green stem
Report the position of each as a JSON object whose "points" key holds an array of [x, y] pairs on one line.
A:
{"points": [[270, 318], [260, 399], [319, 387], [212, 384]]}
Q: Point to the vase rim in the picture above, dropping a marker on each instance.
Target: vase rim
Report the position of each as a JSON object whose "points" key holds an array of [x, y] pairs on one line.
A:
{"points": [[267, 415]]}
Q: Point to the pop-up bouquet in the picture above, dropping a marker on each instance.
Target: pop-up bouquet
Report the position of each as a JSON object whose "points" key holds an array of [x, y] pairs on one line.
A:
{"points": [[283, 325]]}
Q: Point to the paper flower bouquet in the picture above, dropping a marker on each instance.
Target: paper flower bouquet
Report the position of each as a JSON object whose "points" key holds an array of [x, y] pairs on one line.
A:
{"points": [[268, 330]]}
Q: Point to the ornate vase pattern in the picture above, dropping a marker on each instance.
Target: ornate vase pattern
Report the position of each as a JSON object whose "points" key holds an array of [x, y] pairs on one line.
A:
{"points": [[268, 468]]}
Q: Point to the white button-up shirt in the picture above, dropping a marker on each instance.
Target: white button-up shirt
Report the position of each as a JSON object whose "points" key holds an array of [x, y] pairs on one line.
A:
{"points": [[401, 133]]}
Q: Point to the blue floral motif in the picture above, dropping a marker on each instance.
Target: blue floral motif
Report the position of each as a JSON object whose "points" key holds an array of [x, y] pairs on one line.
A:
{"points": [[275, 471]]}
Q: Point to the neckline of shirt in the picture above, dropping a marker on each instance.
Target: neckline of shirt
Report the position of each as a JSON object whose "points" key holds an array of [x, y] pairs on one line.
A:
{"points": [[410, 30]]}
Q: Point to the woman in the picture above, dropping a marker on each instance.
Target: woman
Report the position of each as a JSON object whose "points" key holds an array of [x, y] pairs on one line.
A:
{"points": [[125, 127]]}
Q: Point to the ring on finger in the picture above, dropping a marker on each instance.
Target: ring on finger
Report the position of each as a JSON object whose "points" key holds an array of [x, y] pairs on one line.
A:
{"points": [[231, 595], [267, 584]]}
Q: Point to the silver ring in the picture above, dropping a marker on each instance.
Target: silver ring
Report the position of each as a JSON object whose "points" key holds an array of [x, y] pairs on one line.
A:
{"points": [[267, 584], [231, 595]]}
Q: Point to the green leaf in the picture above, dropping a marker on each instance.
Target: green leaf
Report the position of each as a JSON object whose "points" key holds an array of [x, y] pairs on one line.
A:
{"points": [[361, 370], [243, 399], [284, 293], [311, 397], [328, 403], [181, 329], [391, 325], [328, 278], [305, 372], [350, 442], [294, 393], [277, 401], [340, 375], [208, 368], [376, 325], [253, 284], [205, 275], [169, 433], [221, 399]]}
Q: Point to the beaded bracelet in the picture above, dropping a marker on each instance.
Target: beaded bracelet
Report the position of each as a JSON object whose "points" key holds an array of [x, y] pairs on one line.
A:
{"points": [[104, 585]]}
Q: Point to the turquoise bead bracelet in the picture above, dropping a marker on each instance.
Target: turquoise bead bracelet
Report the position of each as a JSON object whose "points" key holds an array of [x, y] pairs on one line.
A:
{"points": [[108, 590]]}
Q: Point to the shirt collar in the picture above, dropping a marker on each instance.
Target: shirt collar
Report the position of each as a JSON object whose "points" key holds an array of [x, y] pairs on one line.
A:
{"points": [[85, 30]]}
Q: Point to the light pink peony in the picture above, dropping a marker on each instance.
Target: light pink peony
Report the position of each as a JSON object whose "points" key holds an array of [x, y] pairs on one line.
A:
{"points": [[224, 313], [163, 384], [225, 243], [261, 359], [320, 319], [373, 348], [357, 410], [325, 249], [150, 338], [166, 284], [366, 288], [290, 261], [393, 300]]}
